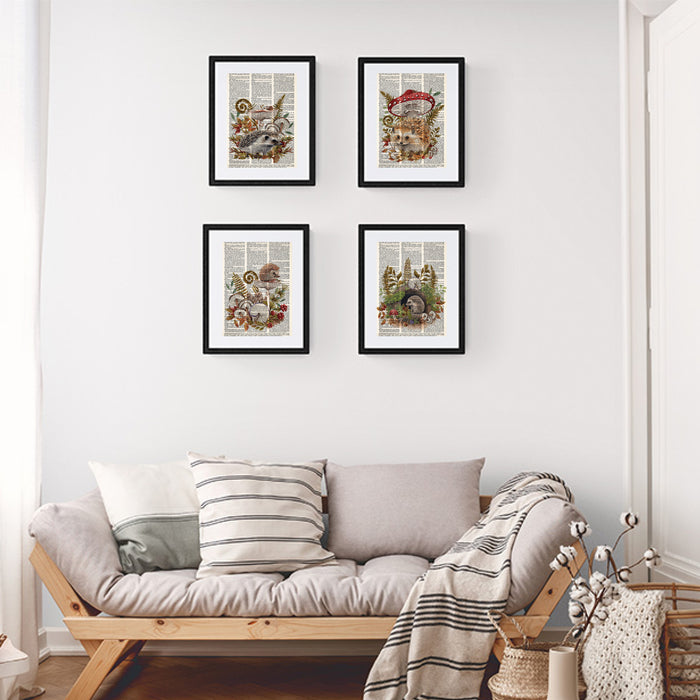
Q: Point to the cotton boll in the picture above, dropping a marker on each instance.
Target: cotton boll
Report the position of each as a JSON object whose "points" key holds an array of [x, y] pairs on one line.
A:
{"points": [[579, 528], [623, 573], [569, 552], [560, 560], [651, 557], [603, 552], [576, 611], [629, 519]]}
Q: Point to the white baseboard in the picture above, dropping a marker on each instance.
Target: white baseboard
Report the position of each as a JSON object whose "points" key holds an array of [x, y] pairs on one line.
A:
{"points": [[57, 641], [44, 651]]}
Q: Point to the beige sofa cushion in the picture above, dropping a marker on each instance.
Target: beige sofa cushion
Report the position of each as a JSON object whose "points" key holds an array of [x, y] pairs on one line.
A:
{"points": [[546, 527], [77, 536], [419, 509]]}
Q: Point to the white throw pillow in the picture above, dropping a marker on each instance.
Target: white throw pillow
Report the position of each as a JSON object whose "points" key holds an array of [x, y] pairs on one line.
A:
{"points": [[154, 514], [258, 516]]}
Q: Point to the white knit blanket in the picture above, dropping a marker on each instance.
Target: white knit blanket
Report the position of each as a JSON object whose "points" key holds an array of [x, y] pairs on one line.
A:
{"points": [[622, 656], [440, 644]]}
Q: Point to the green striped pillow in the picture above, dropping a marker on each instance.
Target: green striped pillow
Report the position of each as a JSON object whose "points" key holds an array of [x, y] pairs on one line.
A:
{"points": [[258, 516], [154, 514]]}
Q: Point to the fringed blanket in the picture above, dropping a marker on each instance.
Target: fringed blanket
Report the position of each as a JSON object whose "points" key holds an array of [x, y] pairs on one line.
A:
{"points": [[440, 644]]}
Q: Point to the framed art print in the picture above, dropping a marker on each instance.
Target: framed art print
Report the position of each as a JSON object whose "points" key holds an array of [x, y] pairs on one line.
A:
{"points": [[411, 122], [262, 120], [411, 281], [256, 288]]}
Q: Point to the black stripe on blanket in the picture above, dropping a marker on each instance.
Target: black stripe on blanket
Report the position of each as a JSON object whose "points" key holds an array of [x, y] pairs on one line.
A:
{"points": [[386, 683], [444, 661], [473, 569], [488, 544], [423, 696]]}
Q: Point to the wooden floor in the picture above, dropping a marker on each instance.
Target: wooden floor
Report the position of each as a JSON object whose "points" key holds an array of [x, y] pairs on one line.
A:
{"points": [[181, 678]]}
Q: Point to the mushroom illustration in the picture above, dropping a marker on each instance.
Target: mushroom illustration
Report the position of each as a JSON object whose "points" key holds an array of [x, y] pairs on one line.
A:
{"points": [[260, 114], [412, 104], [259, 313], [282, 123], [275, 127], [269, 126], [268, 279]]}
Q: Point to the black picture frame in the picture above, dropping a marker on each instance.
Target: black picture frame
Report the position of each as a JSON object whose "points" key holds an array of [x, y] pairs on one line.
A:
{"points": [[372, 338], [220, 333], [220, 129], [453, 168]]}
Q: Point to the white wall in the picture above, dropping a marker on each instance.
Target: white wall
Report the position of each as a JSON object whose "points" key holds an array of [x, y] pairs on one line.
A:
{"points": [[124, 375]]}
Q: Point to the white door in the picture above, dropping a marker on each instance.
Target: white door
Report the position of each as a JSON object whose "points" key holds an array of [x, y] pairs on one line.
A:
{"points": [[674, 103]]}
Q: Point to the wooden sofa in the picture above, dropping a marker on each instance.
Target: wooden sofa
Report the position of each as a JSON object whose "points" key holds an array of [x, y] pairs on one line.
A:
{"points": [[110, 640]]}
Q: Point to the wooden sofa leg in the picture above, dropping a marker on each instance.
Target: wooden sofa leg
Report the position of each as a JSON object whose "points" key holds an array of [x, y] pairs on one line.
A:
{"points": [[131, 652], [101, 663]]}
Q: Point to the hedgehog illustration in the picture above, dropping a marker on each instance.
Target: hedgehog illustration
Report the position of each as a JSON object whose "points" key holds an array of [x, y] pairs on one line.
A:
{"points": [[415, 302], [258, 143]]}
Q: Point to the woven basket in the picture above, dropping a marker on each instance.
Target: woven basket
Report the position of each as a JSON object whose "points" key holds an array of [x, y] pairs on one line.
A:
{"points": [[524, 671], [680, 640]]}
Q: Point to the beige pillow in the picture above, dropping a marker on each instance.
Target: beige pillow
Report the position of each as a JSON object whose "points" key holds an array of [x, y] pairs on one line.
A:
{"points": [[258, 516], [380, 509], [545, 528]]}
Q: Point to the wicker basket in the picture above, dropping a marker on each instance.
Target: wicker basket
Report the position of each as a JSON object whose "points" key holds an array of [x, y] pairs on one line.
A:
{"points": [[524, 671], [680, 640]]}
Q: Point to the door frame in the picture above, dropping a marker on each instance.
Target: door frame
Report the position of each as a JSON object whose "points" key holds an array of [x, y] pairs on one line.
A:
{"points": [[634, 18]]}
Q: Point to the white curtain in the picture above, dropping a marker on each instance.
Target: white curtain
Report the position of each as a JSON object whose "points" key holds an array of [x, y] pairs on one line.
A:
{"points": [[23, 60]]}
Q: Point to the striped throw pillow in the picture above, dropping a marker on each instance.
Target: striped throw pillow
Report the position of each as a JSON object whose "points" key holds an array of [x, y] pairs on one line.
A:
{"points": [[258, 516]]}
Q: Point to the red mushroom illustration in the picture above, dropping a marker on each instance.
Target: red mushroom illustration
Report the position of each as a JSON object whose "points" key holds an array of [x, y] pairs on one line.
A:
{"points": [[412, 104]]}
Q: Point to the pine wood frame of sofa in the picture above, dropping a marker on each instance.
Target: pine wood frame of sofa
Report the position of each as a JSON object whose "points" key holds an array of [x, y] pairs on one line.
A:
{"points": [[110, 640]]}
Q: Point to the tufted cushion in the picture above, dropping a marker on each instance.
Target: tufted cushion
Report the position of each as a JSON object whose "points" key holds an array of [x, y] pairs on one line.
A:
{"points": [[77, 536]]}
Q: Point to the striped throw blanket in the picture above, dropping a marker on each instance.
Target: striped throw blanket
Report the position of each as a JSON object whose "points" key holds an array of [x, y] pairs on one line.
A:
{"points": [[441, 642]]}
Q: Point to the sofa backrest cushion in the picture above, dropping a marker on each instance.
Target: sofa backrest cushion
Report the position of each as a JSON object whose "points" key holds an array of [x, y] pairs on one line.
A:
{"points": [[154, 514], [258, 516], [420, 509]]}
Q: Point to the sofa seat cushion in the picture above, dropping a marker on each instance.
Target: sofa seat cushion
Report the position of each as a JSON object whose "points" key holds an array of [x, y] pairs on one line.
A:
{"points": [[345, 588], [78, 537]]}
